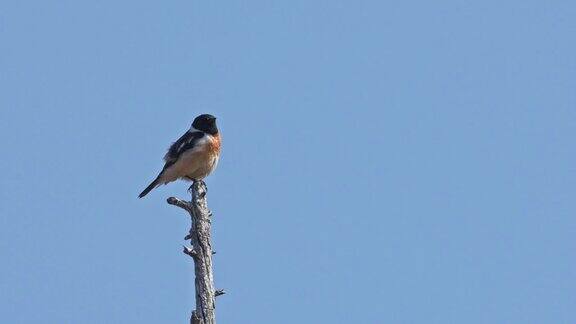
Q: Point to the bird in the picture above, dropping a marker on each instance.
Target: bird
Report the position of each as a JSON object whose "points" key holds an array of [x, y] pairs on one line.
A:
{"points": [[193, 156]]}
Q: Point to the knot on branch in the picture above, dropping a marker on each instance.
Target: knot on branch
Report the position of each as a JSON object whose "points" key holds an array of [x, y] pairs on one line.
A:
{"points": [[195, 319]]}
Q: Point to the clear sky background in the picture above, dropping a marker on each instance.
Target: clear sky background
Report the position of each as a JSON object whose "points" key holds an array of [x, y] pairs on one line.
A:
{"points": [[383, 161]]}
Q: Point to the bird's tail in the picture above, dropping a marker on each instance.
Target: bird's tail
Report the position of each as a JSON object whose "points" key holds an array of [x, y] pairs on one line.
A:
{"points": [[151, 186]]}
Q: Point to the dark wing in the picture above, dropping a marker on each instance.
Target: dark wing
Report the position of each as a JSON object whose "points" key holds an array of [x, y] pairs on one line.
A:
{"points": [[184, 143]]}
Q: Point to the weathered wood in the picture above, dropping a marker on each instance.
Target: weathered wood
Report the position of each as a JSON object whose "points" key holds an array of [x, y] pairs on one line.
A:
{"points": [[201, 252]]}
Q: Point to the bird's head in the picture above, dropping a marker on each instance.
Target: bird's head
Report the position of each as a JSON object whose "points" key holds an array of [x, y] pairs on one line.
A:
{"points": [[206, 123]]}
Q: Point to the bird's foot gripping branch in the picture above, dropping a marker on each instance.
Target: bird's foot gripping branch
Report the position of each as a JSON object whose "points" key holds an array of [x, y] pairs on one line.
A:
{"points": [[201, 184]]}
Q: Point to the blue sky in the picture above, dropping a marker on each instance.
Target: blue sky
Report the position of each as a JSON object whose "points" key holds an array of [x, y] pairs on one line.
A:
{"points": [[383, 161]]}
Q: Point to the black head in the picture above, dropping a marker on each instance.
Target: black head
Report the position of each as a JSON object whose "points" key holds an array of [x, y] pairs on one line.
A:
{"points": [[206, 123]]}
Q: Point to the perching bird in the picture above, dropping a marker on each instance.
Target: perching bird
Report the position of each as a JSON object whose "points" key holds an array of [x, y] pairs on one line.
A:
{"points": [[193, 156]]}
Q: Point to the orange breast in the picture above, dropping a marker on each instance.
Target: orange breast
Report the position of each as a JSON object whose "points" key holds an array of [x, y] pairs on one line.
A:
{"points": [[215, 144]]}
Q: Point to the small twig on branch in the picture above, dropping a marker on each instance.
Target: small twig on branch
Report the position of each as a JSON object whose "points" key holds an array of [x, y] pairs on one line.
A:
{"points": [[189, 251], [180, 203]]}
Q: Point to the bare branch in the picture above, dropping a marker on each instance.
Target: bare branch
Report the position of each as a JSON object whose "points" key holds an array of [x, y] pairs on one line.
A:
{"points": [[201, 252]]}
